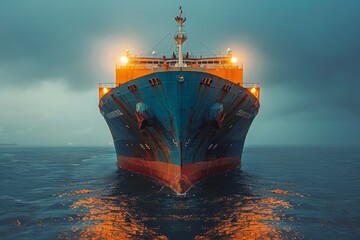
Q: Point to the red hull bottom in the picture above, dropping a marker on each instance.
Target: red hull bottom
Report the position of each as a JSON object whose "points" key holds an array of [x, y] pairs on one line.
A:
{"points": [[179, 178]]}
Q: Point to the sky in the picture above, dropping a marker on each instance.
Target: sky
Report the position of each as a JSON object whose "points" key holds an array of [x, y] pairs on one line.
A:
{"points": [[305, 55]]}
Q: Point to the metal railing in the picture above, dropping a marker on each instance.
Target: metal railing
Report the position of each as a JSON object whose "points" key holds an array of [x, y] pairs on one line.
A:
{"points": [[171, 64], [170, 56], [109, 85], [244, 85], [250, 85]]}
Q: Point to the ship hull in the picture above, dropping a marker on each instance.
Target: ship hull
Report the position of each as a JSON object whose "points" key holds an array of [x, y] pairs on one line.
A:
{"points": [[179, 126], [179, 178]]}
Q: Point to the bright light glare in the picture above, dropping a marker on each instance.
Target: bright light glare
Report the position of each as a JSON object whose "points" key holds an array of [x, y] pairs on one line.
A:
{"points": [[105, 90], [233, 60], [253, 90], [124, 60]]}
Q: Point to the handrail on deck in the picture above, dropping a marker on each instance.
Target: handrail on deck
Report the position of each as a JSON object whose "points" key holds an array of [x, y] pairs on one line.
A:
{"points": [[109, 85], [250, 85], [137, 66], [244, 85], [170, 56]]}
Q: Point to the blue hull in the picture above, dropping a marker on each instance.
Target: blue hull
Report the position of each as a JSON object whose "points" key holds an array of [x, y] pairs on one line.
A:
{"points": [[179, 118]]}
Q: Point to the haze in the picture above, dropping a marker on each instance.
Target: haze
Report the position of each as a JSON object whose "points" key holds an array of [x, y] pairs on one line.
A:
{"points": [[305, 54]]}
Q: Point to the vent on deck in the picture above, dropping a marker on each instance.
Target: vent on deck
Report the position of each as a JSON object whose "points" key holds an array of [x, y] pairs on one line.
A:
{"points": [[132, 87], [206, 81], [154, 81], [226, 87]]}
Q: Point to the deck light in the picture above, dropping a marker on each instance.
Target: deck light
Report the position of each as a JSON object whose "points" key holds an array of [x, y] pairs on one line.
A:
{"points": [[124, 60], [233, 60]]}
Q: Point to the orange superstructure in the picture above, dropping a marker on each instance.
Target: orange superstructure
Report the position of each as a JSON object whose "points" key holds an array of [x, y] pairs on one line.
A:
{"points": [[233, 74], [127, 73], [133, 67]]}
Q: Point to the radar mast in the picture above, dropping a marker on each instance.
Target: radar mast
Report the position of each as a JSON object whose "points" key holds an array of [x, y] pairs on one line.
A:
{"points": [[180, 38]]}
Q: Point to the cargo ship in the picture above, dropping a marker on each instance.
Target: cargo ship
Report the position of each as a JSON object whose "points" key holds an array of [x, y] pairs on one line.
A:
{"points": [[179, 118]]}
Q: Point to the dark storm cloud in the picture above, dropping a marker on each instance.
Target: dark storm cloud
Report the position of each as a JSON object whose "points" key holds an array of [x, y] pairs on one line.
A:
{"points": [[43, 40], [313, 54], [36, 43]]}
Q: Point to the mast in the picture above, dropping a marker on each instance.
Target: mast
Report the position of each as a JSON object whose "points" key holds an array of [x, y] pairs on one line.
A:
{"points": [[180, 38]]}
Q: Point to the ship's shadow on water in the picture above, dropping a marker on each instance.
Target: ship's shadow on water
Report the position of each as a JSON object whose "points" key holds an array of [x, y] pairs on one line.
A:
{"points": [[132, 206]]}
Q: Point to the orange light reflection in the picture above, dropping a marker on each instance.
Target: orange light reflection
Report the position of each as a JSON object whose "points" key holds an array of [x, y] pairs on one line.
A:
{"points": [[108, 220], [252, 220], [247, 217]]}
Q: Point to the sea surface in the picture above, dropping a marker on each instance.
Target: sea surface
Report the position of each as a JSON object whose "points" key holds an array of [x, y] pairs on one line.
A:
{"points": [[279, 193]]}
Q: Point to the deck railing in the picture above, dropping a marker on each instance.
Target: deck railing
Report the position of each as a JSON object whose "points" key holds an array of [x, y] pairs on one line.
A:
{"points": [[109, 85], [170, 56], [172, 65], [244, 85], [250, 85]]}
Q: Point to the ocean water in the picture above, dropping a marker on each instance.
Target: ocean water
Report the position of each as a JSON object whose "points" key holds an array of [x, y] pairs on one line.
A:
{"points": [[279, 193]]}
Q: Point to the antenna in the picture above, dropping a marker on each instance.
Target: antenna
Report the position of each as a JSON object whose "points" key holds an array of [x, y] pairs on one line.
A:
{"points": [[180, 38]]}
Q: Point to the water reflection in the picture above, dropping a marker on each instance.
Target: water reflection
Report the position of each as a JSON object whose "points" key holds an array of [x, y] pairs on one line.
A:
{"points": [[231, 206], [251, 219]]}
